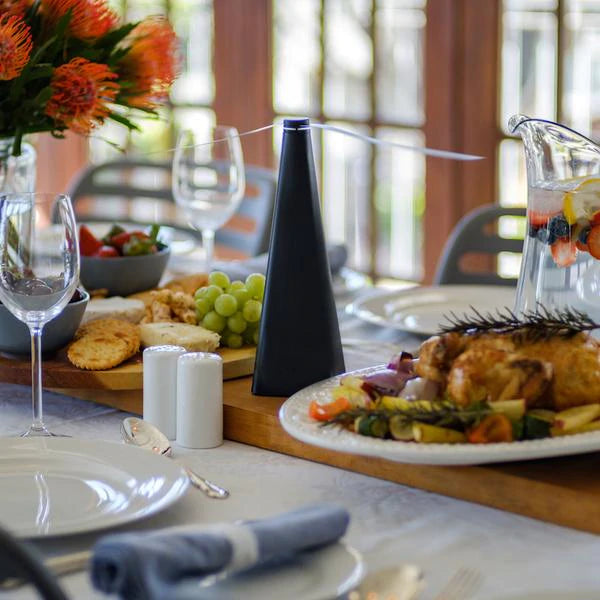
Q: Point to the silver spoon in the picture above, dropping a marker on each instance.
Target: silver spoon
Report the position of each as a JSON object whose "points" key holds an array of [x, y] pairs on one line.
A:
{"points": [[138, 432]]}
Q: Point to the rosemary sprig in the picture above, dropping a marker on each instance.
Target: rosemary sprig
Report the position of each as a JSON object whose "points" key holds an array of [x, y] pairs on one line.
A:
{"points": [[537, 325], [442, 414]]}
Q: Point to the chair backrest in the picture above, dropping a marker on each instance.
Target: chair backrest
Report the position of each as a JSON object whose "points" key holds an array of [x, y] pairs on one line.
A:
{"points": [[473, 234], [141, 181]]}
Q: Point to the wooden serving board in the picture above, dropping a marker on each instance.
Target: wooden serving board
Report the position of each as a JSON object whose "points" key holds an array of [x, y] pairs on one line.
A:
{"points": [[59, 374]]}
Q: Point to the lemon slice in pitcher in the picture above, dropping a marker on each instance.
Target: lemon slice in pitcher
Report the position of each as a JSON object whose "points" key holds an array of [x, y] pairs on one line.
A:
{"points": [[582, 201]]}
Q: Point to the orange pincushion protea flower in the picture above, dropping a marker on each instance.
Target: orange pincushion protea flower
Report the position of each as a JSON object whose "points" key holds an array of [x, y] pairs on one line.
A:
{"points": [[152, 62], [13, 7], [15, 46], [89, 18], [82, 90]]}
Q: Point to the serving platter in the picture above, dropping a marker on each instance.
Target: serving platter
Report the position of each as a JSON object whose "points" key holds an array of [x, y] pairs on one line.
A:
{"points": [[421, 310], [295, 420], [58, 486]]}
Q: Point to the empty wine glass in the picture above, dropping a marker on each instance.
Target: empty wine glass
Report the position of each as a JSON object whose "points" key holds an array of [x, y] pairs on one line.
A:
{"points": [[209, 180], [39, 271]]}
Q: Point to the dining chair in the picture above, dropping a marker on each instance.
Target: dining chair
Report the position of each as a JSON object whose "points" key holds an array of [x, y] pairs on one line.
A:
{"points": [[139, 191], [477, 233], [22, 560]]}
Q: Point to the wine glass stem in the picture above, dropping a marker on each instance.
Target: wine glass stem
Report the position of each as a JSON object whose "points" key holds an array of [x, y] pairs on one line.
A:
{"points": [[208, 243], [36, 377]]}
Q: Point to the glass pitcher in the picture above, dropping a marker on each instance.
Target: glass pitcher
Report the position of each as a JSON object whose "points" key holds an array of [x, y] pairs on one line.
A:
{"points": [[561, 255]]}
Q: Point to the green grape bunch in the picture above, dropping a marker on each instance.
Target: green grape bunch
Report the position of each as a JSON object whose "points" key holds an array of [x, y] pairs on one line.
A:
{"points": [[231, 308]]}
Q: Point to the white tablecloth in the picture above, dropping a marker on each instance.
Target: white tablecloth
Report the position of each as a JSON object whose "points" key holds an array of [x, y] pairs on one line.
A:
{"points": [[520, 558]]}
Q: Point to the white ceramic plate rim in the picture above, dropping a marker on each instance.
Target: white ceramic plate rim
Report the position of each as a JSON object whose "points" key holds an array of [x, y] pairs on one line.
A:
{"points": [[325, 562], [294, 418], [120, 456], [372, 308]]}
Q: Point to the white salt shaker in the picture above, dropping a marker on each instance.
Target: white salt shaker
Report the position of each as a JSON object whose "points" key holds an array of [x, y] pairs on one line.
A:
{"points": [[160, 387], [200, 400]]}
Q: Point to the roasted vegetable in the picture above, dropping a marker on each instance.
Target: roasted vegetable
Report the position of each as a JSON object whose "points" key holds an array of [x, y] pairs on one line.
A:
{"points": [[431, 434], [576, 416], [493, 428]]}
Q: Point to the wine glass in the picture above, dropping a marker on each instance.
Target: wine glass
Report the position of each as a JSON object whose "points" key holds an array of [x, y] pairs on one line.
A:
{"points": [[39, 271], [209, 180]]}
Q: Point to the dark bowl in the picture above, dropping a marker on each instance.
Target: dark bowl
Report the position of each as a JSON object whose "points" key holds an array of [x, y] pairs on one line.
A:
{"points": [[14, 334], [123, 275]]}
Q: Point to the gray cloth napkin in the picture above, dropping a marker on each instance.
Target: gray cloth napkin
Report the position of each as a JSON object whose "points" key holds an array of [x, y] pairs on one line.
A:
{"points": [[240, 269], [168, 564]]}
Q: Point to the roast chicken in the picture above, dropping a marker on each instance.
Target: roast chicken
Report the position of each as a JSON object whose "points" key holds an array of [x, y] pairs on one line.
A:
{"points": [[555, 373]]}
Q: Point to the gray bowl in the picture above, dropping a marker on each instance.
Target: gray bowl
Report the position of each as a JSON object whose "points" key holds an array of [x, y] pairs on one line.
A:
{"points": [[15, 337], [123, 275]]}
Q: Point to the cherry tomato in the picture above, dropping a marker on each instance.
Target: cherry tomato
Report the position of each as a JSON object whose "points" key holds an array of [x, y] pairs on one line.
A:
{"points": [[107, 252], [324, 412], [493, 428], [89, 244]]}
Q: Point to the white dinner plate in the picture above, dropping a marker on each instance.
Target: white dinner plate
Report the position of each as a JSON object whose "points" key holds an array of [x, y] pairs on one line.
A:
{"points": [[59, 486], [295, 420], [318, 575], [421, 309]]}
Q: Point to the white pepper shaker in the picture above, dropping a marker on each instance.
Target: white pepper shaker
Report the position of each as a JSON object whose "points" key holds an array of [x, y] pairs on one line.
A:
{"points": [[200, 400], [160, 387]]}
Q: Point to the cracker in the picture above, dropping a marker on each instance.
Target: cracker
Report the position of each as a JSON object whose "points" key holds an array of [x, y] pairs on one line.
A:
{"points": [[98, 351], [123, 330], [188, 284]]}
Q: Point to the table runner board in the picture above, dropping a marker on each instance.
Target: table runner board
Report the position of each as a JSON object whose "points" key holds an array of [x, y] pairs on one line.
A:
{"points": [[564, 491], [60, 375]]}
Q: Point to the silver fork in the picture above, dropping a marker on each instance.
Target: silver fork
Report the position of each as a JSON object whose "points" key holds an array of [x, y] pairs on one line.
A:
{"points": [[462, 585]]}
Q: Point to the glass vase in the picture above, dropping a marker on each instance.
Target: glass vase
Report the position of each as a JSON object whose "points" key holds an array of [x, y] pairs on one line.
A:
{"points": [[17, 173]]}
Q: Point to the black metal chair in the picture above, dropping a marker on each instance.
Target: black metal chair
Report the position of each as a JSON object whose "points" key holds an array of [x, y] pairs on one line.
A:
{"points": [[144, 181], [21, 560], [475, 234]]}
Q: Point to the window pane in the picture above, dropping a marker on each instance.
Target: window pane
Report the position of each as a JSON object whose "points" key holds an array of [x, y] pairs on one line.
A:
{"points": [[399, 72], [528, 65], [296, 57], [400, 204], [512, 174], [348, 59], [346, 217], [200, 120], [138, 9], [531, 4], [581, 93], [192, 20], [400, 4]]}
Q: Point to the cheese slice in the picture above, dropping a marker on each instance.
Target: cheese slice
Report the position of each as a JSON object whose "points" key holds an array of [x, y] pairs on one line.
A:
{"points": [[116, 307], [192, 337]]}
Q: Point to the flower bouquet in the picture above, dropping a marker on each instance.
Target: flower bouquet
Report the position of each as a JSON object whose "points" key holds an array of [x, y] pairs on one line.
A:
{"points": [[70, 64]]}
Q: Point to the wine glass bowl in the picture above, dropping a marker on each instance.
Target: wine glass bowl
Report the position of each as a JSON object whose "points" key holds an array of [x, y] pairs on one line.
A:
{"points": [[39, 270], [208, 180]]}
